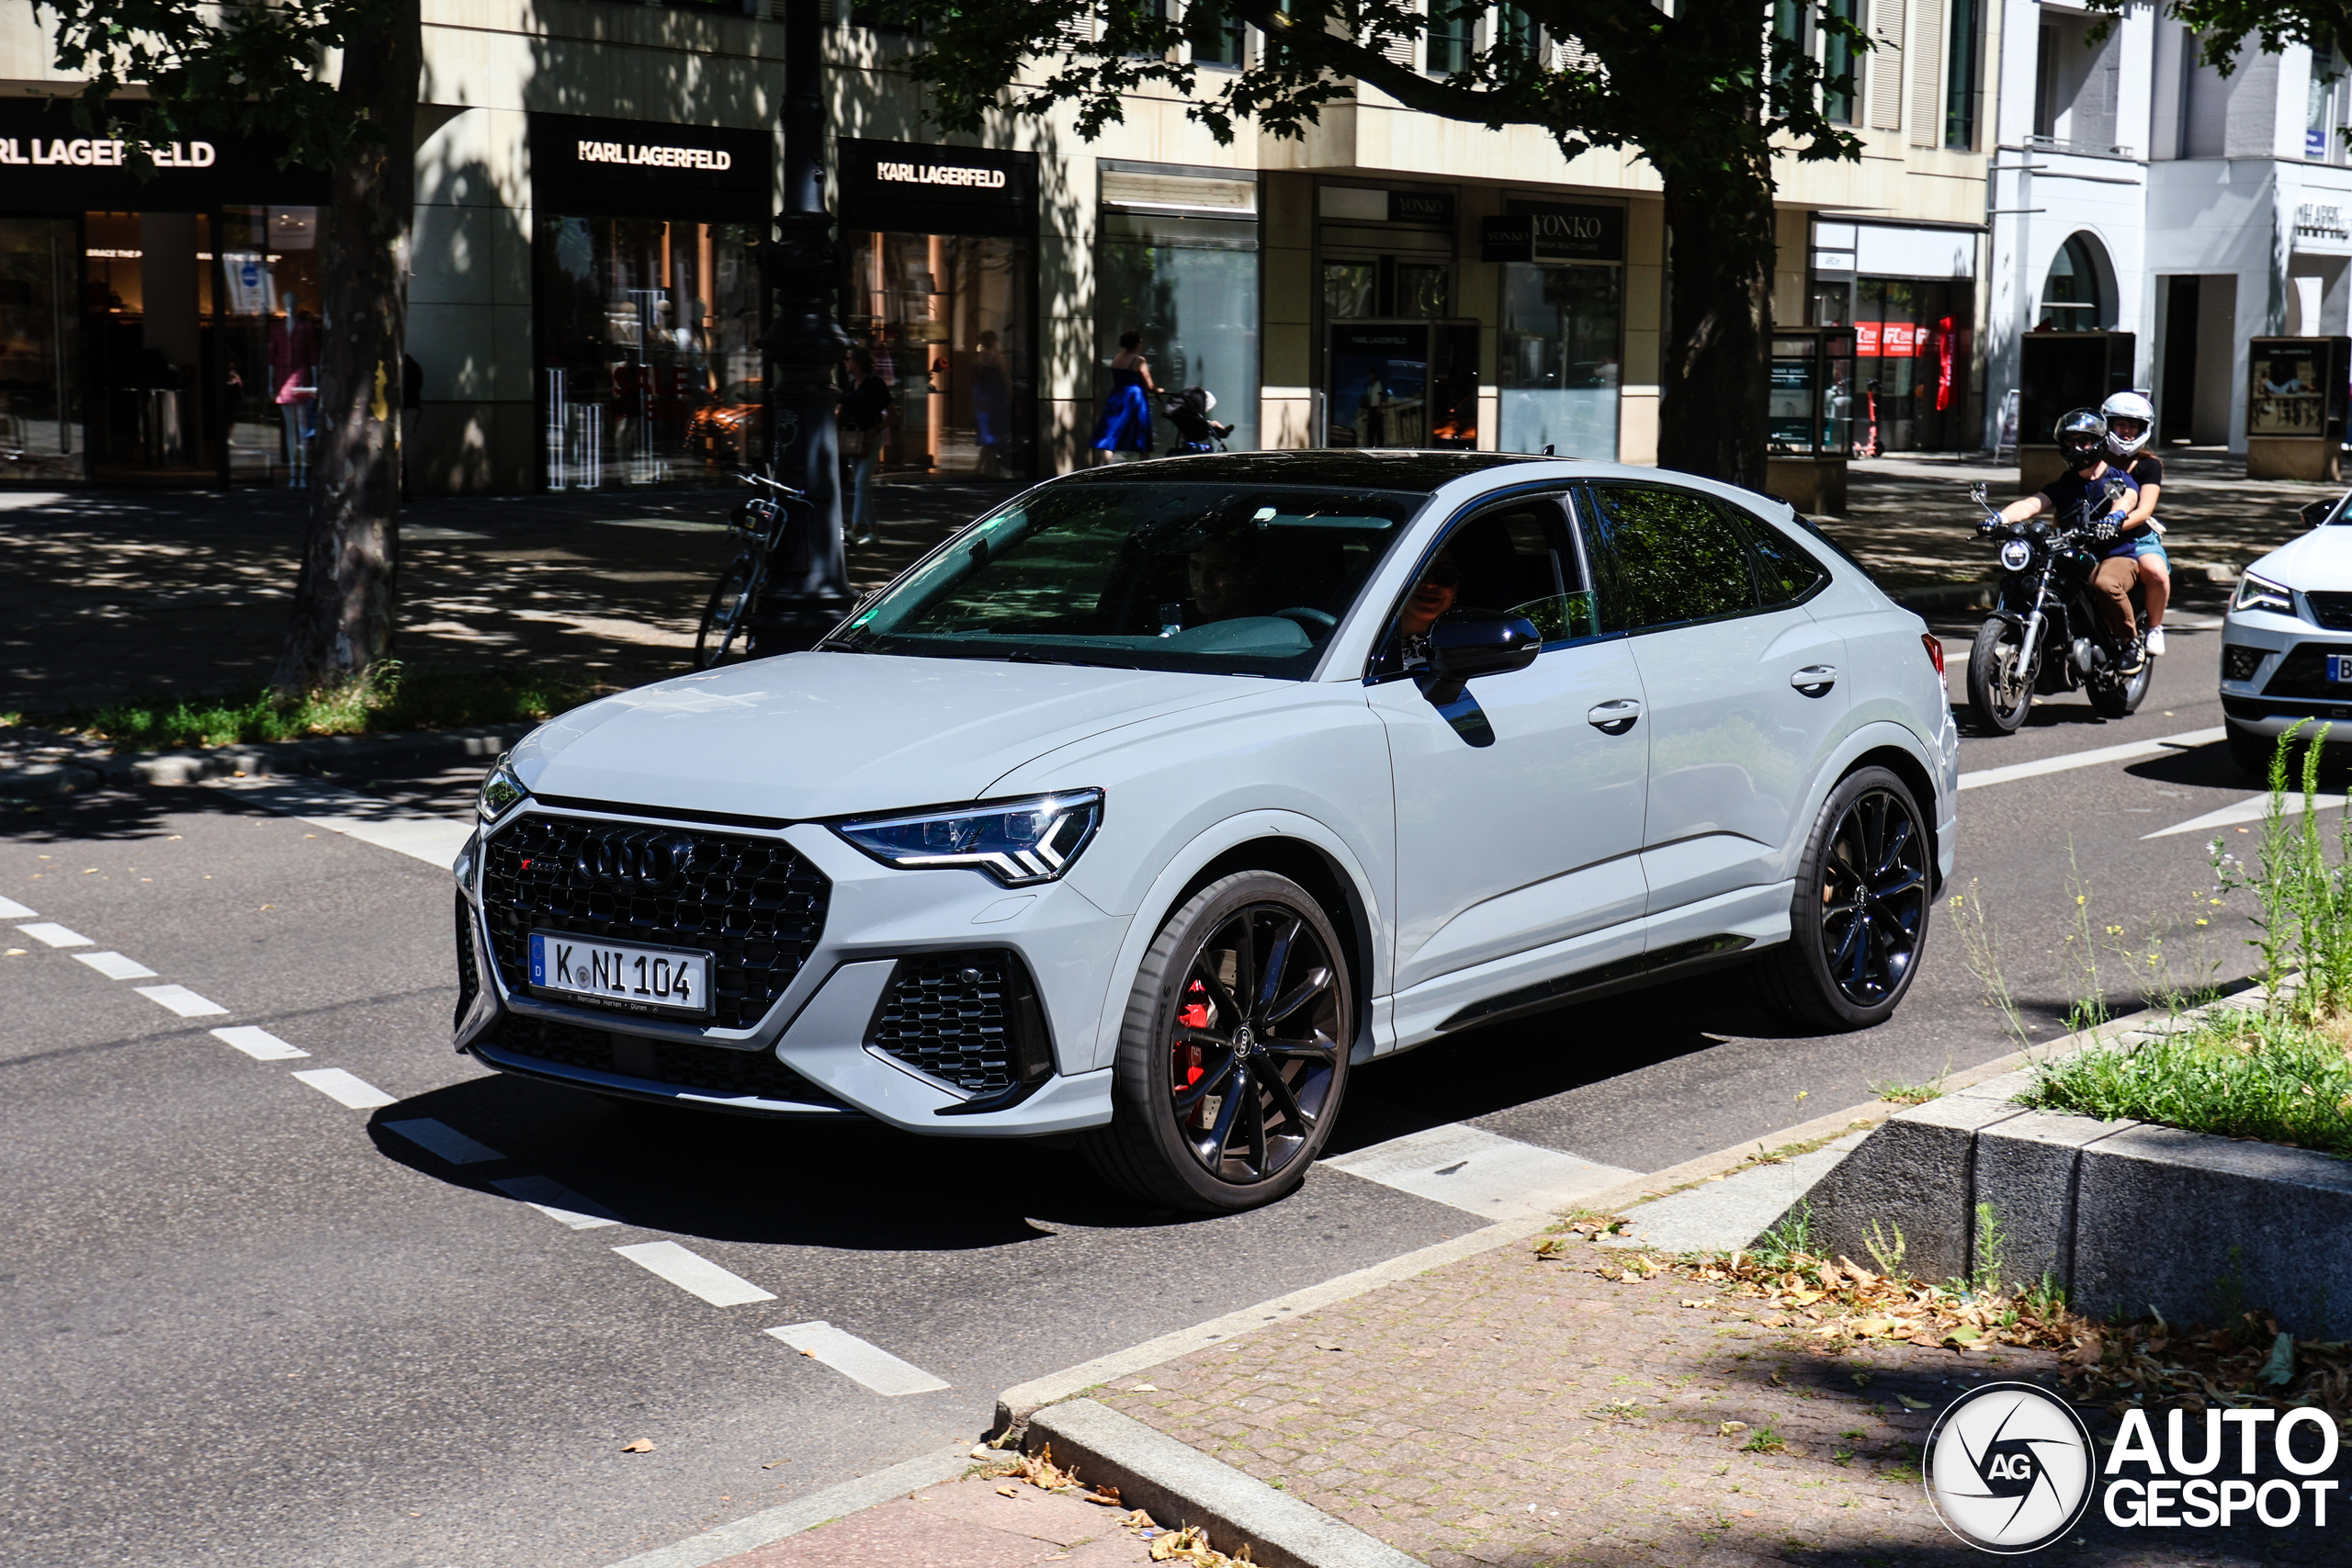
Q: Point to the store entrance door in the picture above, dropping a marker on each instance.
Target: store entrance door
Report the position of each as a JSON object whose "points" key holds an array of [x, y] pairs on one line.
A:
{"points": [[39, 333], [145, 301], [1401, 383]]}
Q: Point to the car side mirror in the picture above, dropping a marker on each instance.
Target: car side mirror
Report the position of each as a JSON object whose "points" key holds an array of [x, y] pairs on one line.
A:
{"points": [[1461, 651], [2314, 513]]}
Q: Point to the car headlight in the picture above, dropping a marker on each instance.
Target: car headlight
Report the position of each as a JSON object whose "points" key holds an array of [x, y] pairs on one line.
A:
{"points": [[2256, 593], [2016, 555], [500, 792], [1019, 842]]}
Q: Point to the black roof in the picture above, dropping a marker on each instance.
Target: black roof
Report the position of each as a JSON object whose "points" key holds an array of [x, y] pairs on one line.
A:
{"points": [[1352, 469]]}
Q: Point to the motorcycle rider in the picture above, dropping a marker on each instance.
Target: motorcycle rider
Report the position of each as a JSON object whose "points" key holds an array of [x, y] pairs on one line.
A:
{"points": [[2130, 426], [2092, 490]]}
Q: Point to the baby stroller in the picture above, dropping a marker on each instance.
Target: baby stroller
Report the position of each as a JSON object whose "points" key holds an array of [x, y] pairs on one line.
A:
{"points": [[1189, 411]]}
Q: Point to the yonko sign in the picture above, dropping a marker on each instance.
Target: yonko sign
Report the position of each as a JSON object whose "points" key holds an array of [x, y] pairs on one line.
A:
{"points": [[2011, 1469]]}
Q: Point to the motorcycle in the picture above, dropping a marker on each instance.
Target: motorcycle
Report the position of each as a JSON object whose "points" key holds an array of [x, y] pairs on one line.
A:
{"points": [[2045, 635]]}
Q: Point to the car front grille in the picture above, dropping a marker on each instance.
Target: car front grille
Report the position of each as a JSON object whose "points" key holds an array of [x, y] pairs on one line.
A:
{"points": [[2303, 674], [469, 977], [757, 906], [969, 1018], [2333, 611], [681, 1064]]}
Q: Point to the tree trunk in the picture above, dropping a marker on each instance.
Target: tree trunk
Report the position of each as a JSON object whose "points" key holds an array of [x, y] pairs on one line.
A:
{"points": [[344, 600], [1712, 377]]}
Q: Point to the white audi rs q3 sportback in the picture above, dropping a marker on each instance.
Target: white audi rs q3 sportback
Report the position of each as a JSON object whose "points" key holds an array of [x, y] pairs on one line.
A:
{"points": [[1148, 804]]}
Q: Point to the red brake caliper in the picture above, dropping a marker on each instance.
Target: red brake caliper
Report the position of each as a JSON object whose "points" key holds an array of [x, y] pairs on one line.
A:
{"points": [[1194, 1014]]}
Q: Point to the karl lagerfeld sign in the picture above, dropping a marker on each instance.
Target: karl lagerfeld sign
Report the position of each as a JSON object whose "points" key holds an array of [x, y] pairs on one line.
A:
{"points": [[902, 187], [587, 167], [48, 162]]}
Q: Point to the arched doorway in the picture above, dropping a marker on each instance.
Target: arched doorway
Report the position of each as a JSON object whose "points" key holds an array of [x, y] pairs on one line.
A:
{"points": [[2078, 294]]}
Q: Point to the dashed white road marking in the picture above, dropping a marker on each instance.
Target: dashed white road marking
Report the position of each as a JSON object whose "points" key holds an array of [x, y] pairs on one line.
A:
{"points": [[115, 966], [12, 910], [2253, 808], [181, 1001], [1483, 1172], [422, 835], [344, 1087], [693, 1272], [854, 1358], [2186, 740], [444, 1140], [55, 935], [557, 1202], [259, 1044]]}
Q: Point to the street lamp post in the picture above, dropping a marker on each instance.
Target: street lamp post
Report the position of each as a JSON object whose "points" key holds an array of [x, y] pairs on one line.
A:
{"points": [[808, 590]]}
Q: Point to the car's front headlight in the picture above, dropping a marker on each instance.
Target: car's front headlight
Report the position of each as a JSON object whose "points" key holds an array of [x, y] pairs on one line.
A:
{"points": [[2259, 593], [1019, 842], [502, 792]]}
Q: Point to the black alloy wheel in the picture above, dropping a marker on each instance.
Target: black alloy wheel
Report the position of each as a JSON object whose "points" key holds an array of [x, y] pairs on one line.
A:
{"points": [[1859, 915], [1233, 1057], [2000, 678], [722, 630]]}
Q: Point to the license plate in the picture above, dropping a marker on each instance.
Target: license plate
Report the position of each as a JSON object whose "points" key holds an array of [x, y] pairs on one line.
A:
{"points": [[2339, 667], [665, 978]]}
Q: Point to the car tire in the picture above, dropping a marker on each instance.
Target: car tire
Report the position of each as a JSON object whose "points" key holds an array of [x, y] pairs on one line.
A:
{"points": [[1849, 959], [1202, 1014]]}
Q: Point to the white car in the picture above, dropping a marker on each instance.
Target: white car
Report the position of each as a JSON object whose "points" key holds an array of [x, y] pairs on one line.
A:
{"points": [[2287, 640], [1147, 805]]}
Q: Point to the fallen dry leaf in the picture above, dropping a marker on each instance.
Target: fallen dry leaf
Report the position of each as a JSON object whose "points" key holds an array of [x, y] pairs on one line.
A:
{"points": [[1911, 1403], [1106, 1496], [638, 1447]]}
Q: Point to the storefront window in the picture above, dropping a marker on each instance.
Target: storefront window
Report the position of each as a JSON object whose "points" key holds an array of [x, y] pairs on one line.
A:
{"points": [[948, 317], [648, 332], [266, 315], [38, 350], [1190, 286], [1556, 360], [1911, 354]]}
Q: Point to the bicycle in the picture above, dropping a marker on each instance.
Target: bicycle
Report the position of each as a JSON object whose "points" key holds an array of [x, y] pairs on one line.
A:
{"points": [[759, 522]]}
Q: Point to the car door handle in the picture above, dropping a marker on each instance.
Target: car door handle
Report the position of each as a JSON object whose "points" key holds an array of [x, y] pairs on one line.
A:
{"points": [[1814, 679], [1614, 717]]}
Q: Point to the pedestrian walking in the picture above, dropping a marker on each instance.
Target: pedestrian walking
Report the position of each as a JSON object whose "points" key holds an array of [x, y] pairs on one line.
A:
{"points": [[867, 412], [991, 405], [1124, 427]]}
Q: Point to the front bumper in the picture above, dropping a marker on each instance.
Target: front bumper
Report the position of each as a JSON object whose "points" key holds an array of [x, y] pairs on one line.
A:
{"points": [[2287, 685], [812, 1054]]}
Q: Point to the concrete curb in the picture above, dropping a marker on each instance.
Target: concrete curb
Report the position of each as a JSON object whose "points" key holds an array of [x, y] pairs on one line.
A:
{"points": [[324, 754], [808, 1513], [1178, 1486], [1946, 597]]}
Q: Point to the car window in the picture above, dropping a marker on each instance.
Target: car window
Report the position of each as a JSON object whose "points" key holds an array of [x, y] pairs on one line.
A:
{"points": [[1234, 578], [1661, 557], [1514, 560], [1784, 574]]}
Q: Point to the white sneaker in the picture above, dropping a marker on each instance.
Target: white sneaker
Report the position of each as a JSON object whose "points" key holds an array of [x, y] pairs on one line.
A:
{"points": [[2157, 641]]}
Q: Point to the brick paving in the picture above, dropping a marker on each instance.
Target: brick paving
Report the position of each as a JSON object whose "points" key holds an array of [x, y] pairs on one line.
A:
{"points": [[1505, 1412]]}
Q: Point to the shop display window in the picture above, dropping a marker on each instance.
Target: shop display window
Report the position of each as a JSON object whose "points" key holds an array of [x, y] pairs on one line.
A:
{"points": [[1912, 342], [1557, 361], [648, 335], [265, 311], [949, 318], [1196, 305], [39, 353]]}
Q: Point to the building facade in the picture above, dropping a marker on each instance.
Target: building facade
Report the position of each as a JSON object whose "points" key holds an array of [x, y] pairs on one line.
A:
{"points": [[2138, 189], [594, 178]]}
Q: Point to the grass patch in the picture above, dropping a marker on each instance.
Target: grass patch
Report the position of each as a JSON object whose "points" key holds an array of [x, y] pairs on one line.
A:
{"points": [[2236, 1074], [383, 698]]}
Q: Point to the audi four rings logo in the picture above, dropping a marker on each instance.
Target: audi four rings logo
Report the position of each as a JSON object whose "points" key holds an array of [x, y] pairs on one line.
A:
{"points": [[641, 859]]}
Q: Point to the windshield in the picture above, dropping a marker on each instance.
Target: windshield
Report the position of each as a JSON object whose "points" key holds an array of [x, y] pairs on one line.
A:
{"points": [[1223, 579]]}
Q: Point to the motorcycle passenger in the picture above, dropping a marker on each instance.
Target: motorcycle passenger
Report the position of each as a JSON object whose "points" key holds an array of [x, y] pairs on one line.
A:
{"points": [[2082, 492], [2130, 426]]}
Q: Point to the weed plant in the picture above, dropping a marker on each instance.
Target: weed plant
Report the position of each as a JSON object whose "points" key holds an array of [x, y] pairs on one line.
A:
{"points": [[2240, 1074], [382, 697]]}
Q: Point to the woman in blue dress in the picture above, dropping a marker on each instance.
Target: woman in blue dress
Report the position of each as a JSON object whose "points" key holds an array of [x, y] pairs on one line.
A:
{"points": [[1124, 427]]}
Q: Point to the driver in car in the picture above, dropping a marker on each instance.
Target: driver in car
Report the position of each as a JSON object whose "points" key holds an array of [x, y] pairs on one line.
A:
{"points": [[1222, 576], [2091, 489], [1432, 596]]}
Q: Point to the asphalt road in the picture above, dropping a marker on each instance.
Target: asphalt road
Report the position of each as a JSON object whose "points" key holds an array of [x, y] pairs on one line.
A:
{"points": [[249, 1323]]}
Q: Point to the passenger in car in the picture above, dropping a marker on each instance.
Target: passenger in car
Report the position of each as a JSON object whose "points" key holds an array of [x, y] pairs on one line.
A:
{"points": [[1224, 579]]}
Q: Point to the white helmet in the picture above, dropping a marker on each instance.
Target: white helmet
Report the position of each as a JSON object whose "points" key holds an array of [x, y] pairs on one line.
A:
{"points": [[2128, 405]]}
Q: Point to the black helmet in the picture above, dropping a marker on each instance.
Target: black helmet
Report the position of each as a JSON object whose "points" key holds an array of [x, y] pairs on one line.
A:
{"points": [[2082, 438]]}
